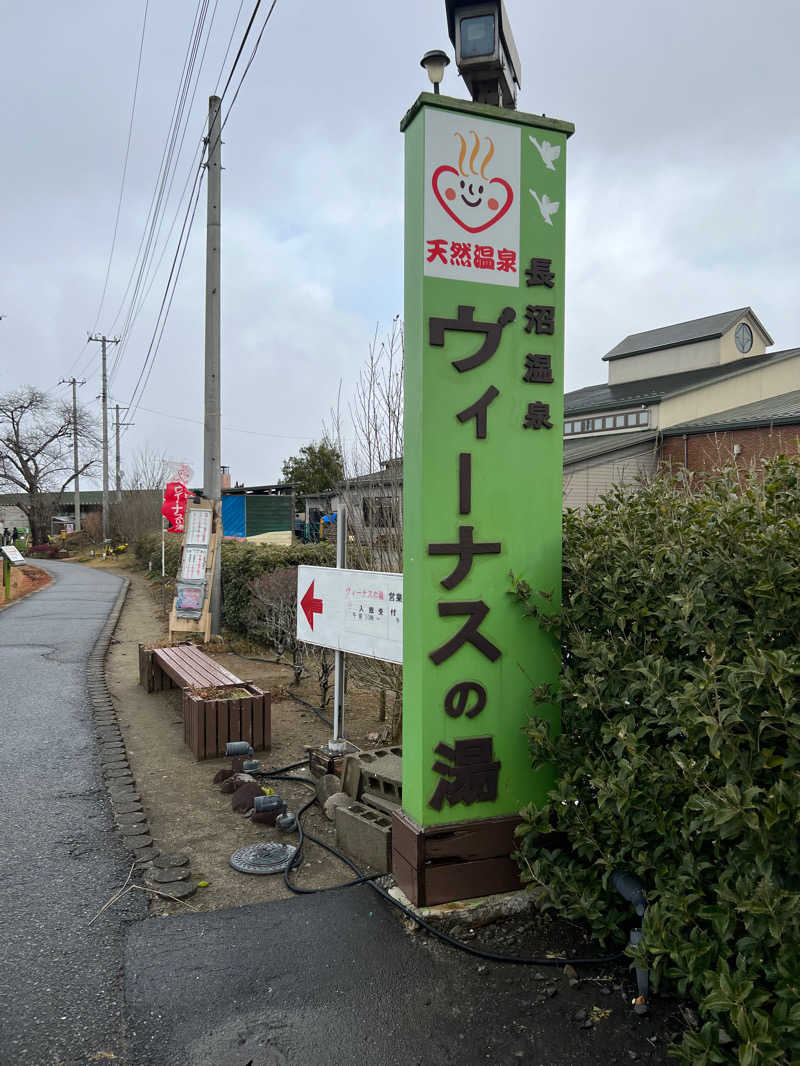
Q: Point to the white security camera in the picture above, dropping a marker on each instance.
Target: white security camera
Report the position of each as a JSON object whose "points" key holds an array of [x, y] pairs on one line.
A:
{"points": [[486, 55]]}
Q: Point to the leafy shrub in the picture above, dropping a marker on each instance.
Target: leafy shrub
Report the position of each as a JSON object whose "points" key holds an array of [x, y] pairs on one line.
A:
{"points": [[45, 551], [147, 553], [679, 757], [272, 615], [242, 563]]}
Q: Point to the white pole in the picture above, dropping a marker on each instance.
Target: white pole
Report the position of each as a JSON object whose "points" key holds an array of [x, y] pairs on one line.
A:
{"points": [[338, 743], [163, 568]]}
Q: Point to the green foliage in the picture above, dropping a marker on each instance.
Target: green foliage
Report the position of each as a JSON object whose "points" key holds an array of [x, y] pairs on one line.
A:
{"points": [[147, 553], [318, 468], [679, 757], [243, 563]]}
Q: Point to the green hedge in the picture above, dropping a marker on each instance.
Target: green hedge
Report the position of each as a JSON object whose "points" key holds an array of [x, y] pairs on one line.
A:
{"points": [[679, 758], [241, 562], [147, 553]]}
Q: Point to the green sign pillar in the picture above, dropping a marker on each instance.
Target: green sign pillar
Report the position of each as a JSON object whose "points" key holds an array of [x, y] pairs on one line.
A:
{"points": [[482, 466]]}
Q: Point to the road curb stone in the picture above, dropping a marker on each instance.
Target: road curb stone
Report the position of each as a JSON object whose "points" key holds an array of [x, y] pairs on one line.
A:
{"points": [[130, 822], [113, 756]]}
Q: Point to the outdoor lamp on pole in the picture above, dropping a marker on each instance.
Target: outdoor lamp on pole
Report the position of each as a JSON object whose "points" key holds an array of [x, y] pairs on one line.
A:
{"points": [[434, 62]]}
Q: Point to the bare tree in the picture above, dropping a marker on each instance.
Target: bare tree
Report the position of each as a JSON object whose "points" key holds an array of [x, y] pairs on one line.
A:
{"points": [[273, 615], [372, 492], [36, 456], [139, 510]]}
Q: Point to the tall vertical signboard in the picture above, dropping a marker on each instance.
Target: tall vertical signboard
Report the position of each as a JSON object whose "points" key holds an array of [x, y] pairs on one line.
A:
{"points": [[484, 330]]}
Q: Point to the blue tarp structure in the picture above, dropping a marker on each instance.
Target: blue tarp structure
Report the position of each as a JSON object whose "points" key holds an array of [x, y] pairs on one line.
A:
{"points": [[233, 516]]}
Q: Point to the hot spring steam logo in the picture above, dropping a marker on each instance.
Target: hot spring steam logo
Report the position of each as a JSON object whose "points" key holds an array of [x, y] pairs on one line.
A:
{"points": [[469, 196]]}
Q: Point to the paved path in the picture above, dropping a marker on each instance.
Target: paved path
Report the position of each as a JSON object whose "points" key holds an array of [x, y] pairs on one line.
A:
{"points": [[60, 859], [333, 980]]}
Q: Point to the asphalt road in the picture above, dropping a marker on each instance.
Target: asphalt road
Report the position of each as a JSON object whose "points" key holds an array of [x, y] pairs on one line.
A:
{"points": [[327, 980], [61, 988]]}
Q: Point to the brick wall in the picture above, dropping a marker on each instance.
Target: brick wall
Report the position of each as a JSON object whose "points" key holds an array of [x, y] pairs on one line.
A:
{"points": [[708, 451]]}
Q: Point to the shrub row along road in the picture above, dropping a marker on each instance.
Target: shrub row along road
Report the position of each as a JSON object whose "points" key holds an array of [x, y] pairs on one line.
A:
{"points": [[60, 979]]}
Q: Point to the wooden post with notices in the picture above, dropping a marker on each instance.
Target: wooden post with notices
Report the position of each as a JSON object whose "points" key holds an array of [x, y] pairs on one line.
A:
{"points": [[202, 537]]}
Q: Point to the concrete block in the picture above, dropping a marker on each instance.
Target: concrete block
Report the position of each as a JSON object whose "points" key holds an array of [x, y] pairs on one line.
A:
{"points": [[385, 785], [365, 835], [380, 803], [384, 764]]}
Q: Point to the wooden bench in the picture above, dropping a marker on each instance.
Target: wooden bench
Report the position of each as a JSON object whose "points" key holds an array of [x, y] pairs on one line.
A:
{"points": [[181, 666], [233, 710]]}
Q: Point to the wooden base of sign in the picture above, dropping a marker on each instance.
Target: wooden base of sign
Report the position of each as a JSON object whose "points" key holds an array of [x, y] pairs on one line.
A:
{"points": [[460, 860], [322, 761]]}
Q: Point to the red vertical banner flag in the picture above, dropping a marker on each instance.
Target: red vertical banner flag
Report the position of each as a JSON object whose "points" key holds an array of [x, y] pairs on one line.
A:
{"points": [[174, 506]]}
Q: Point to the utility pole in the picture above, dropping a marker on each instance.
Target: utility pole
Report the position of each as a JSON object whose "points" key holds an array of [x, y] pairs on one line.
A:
{"points": [[74, 383], [338, 743], [212, 430], [104, 397], [118, 478], [118, 472]]}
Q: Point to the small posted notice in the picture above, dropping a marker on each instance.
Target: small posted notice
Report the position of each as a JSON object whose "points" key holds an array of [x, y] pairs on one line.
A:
{"points": [[373, 606], [194, 564], [198, 526]]}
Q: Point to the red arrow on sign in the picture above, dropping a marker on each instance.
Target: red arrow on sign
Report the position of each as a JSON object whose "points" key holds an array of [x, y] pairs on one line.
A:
{"points": [[310, 605]]}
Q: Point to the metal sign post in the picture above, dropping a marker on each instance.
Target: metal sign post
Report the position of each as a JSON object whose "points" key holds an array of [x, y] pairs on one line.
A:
{"points": [[336, 743]]}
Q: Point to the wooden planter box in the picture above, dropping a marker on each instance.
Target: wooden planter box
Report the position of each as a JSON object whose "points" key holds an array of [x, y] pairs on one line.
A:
{"points": [[209, 723]]}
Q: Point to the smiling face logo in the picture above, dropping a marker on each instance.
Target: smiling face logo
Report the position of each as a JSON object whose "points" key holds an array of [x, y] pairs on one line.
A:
{"points": [[469, 197]]}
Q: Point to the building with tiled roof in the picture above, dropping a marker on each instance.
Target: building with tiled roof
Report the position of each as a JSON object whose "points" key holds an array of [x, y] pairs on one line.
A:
{"points": [[663, 380]]}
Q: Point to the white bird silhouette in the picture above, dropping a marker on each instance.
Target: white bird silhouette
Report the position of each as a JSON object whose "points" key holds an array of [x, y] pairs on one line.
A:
{"points": [[549, 152], [547, 206]]}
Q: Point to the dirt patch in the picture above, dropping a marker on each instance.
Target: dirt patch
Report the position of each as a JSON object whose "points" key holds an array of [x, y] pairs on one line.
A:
{"points": [[24, 580], [186, 811]]}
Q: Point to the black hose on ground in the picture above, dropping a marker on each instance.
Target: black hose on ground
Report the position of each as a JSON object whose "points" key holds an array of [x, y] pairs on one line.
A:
{"points": [[370, 879]]}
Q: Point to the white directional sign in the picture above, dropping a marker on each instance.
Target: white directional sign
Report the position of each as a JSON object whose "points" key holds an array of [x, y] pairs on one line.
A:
{"points": [[12, 554], [356, 611]]}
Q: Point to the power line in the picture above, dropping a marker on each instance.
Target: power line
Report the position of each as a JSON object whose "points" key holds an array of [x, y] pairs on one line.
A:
{"points": [[131, 319], [228, 429], [230, 41], [152, 222], [241, 47], [166, 301], [124, 167], [249, 62], [152, 352], [150, 272]]}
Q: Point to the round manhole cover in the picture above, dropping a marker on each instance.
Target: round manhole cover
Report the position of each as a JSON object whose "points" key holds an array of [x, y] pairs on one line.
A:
{"points": [[267, 858]]}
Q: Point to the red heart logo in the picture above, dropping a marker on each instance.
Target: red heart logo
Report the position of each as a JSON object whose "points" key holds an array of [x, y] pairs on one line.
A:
{"points": [[498, 214]]}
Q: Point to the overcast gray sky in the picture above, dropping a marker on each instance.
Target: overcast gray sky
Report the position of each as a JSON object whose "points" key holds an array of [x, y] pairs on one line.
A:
{"points": [[683, 180]]}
